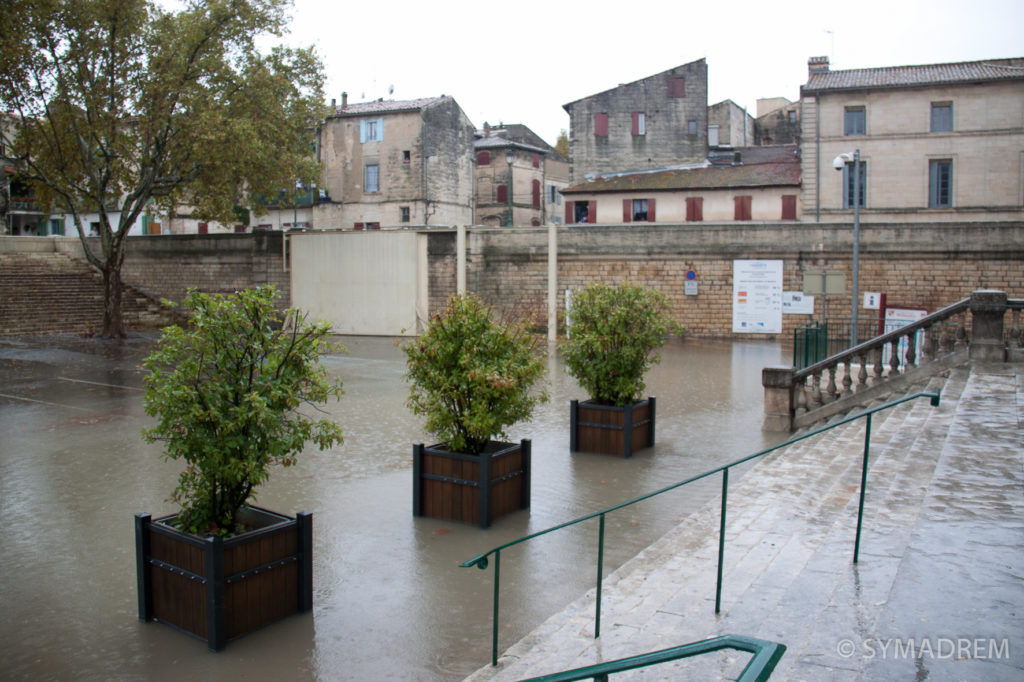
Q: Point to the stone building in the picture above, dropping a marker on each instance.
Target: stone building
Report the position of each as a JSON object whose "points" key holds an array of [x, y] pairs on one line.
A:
{"points": [[518, 178], [937, 142], [729, 125], [396, 163], [777, 122], [759, 184], [654, 122]]}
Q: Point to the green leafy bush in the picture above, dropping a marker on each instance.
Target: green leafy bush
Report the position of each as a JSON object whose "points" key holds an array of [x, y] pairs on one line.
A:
{"points": [[472, 375], [613, 333], [225, 393]]}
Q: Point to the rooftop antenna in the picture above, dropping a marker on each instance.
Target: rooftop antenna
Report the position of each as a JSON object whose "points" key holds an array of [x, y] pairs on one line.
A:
{"points": [[832, 53]]}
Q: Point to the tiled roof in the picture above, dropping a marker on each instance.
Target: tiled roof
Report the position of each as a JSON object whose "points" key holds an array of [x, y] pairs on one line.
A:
{"points": [[712, 177], [386, 106], [910, 76], [498, 142]]}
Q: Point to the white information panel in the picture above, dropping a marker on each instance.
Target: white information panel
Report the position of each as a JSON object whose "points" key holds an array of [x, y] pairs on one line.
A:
{"points": [[757, 296], [797, 303]]}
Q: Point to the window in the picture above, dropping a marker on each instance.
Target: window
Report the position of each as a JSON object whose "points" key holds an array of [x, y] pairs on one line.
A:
{"points": [[536, 160], [483, 158], [792, 117], [406, 156], [639, 124], [638, 210], [371, 178], [942, 117], [854, 121], [601, 125], [712, 135], [371, 129], [580, 212], [677, 87], [789, 207], [741, 208], [691, 128], [535, 193], [502, 194], [848, 184], [403, 213], [694, 209], [940, 183], [553, 196]]}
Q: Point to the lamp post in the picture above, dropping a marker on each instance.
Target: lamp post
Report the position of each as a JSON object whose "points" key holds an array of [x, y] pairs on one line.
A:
{"points": [[509, 158], [839, 163]]}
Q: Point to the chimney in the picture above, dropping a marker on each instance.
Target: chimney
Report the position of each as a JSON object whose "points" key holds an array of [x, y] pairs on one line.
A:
{"points": [[344, 100], [817, 65], [487, 129], [334, 103]]}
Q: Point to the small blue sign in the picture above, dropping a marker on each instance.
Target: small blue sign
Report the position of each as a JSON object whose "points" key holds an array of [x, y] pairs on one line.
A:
{"points": [[690, 274]]}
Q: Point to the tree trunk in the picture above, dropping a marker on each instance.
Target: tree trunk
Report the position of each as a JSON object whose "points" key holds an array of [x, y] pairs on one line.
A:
{"points": [[113, 325]]}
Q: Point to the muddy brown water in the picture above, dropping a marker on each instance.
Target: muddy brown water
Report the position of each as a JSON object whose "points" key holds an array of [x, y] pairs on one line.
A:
{"points": [[390, 599]]}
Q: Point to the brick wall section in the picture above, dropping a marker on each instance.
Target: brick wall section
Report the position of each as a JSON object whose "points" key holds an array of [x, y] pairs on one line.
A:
{"points": [[509, 267]]}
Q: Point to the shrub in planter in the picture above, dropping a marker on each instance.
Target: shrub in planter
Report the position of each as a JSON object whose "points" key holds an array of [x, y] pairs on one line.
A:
{"points": [[226, 393], [613, 337], [472, 376]]}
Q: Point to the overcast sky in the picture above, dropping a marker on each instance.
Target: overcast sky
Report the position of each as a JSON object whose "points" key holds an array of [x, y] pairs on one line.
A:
{"points": [[519, 62]]}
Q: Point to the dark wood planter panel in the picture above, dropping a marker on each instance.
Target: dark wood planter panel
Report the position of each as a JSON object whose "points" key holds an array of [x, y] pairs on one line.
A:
{"points": [[472, 489], [611, 430], [219, 589]]}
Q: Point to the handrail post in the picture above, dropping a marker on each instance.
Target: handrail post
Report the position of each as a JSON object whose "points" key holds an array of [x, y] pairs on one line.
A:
{"points": [[600, 577], [721, 540], [494, 620], [863, 486]]}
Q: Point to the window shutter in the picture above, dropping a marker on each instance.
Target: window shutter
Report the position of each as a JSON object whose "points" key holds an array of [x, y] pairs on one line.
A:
{"points": [[636, 123], [502, 194], [570, 212], [359, 226], [650, 210], [695, 209], [677, 87], [536, 193], [536, 160], [362, 131], [627, 210], [741, 208], [601, 125], [380, 128], [483, 158], [789, 207], [592, 212]]}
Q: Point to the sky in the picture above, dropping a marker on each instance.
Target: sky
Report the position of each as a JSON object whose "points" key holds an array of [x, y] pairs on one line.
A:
{"points": [[519, 62]]}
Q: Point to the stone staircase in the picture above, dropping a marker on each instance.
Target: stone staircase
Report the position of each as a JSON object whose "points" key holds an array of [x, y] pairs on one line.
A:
{"points": [[45, 293], [788, 570]]}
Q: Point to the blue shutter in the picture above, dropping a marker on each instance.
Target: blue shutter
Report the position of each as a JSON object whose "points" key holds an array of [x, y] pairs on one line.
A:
{"points": [[380, 128], [362, 131]]}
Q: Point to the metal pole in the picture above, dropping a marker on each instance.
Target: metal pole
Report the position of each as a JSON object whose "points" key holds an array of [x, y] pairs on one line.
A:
{"points": [[863, 486], [600, 576], [721, 540], [494, 632], [509, 158], [552, 282], [856, 248]]}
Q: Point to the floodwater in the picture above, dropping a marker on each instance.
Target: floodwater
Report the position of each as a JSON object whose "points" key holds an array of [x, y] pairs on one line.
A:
{"points": [[390, 600]]}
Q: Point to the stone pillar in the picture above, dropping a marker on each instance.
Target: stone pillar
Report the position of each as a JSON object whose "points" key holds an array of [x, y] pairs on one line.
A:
{"points": [[778, 398], [986, 341]]}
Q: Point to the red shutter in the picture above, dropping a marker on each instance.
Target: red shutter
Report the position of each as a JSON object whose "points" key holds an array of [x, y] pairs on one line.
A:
{"points": [[677, 87], [536, 193], [741, 208], [502, 194], [592, 212], [789, 207], [483, 159], [204, 228], [694, 209], [570, 212], [636, 123], [650, 210], [627, 210], [359, 226], [536, 160], [601, 125]]}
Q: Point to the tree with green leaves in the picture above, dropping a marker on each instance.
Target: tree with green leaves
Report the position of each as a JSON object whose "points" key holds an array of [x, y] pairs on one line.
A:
{"points": [[562, 144], [473, 375], [121, 107], [613, 334], [226, 393]]}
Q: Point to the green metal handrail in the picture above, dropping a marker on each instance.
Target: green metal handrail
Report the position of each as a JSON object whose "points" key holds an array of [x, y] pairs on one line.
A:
{"points": [[481, 561], [766, 657]]}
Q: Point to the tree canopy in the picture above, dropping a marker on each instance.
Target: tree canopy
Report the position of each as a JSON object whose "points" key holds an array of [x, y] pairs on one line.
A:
{"points": [[122, 107]]}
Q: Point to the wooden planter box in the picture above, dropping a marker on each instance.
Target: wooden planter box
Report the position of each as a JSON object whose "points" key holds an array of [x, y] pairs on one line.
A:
{"points": [[611, 430], [470, 488], [218, 589]]}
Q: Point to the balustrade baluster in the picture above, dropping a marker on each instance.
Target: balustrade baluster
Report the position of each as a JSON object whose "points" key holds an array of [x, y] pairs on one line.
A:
{"points": [[961, 332], [894, 358], [848, 377], [801, 396], [879, 368], [862, 375], [831, 388], [816, 389], [911, 350]]}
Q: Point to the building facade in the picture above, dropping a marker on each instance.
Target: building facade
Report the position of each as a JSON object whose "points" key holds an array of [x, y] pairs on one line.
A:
{"points": [[729, 125], [937, 142], [395, 163], [654, 122], [777, 122]]}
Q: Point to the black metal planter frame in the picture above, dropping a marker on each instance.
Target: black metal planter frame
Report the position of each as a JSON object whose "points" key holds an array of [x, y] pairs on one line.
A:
{"points": [[610, 429]]}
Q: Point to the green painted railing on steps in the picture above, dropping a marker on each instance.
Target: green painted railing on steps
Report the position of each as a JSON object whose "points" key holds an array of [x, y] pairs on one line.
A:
{"points": [[758, 669], [481, 560]]}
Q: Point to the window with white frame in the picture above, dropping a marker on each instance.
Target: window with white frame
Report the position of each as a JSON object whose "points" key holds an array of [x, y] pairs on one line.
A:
{"points": [[855, 121], [942, 117], [371, 178], [940, 183]]}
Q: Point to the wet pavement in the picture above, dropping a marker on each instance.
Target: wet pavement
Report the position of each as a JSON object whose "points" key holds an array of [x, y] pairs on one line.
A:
{"points": [[938, 593], [390, 601]]}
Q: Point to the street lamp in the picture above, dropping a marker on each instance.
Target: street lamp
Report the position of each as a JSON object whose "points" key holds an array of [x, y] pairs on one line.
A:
{"points": [[509, 158], [839, 163]]}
